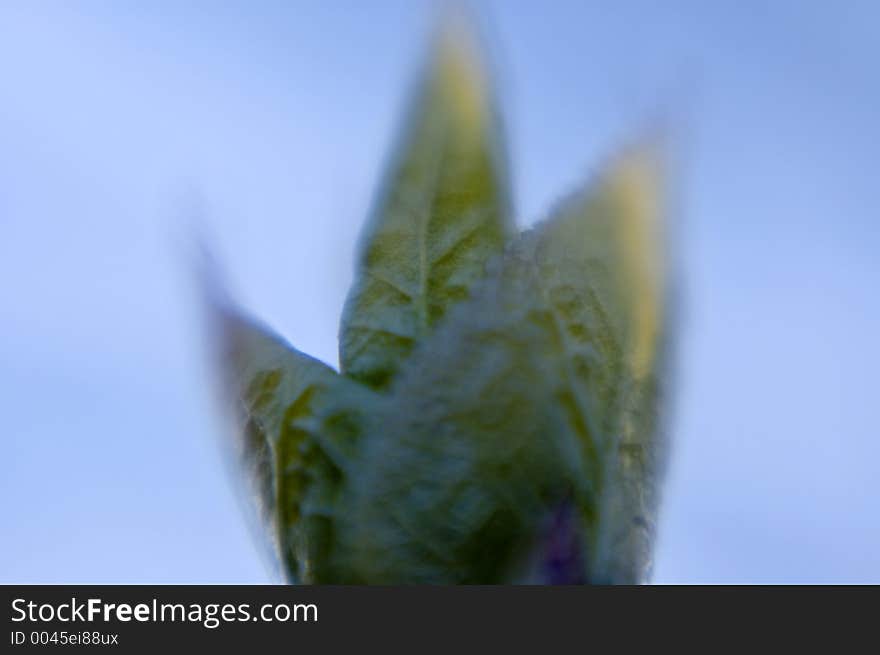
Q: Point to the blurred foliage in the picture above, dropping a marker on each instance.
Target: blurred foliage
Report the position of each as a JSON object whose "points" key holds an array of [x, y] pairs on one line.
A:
{"points": [[495, 417], [443, 213]]}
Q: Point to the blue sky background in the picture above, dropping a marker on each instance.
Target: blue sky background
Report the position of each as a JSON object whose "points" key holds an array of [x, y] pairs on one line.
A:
{"points": [[278, 115]]}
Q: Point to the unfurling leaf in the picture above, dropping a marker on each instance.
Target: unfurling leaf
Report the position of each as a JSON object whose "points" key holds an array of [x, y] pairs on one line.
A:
{"points": [[443, 212], [495, 419], [472, 457], [299, 426], [534, 397], [599, 265]]}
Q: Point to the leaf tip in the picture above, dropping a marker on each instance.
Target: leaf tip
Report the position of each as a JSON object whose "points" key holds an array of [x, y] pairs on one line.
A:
{"points": [[459, 68]]}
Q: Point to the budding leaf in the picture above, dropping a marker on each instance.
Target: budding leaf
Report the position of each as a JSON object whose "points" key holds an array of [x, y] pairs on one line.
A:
{"points": [[473, 457], [496, 416], [299, 427], [537, 394], [443, 212], [599, 264]]}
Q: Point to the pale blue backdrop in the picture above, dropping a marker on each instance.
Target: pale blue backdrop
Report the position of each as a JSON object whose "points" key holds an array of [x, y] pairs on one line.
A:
{"points": [[276, 118]]}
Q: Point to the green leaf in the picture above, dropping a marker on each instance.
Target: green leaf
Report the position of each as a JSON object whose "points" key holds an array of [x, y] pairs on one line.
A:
{"points": [[599, 264], [443, 212], [473, 457], [537, 394], [299, 427]]}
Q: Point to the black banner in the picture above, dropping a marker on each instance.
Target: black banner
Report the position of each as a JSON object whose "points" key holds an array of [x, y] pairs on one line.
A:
{"points": [[179, 618]]}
